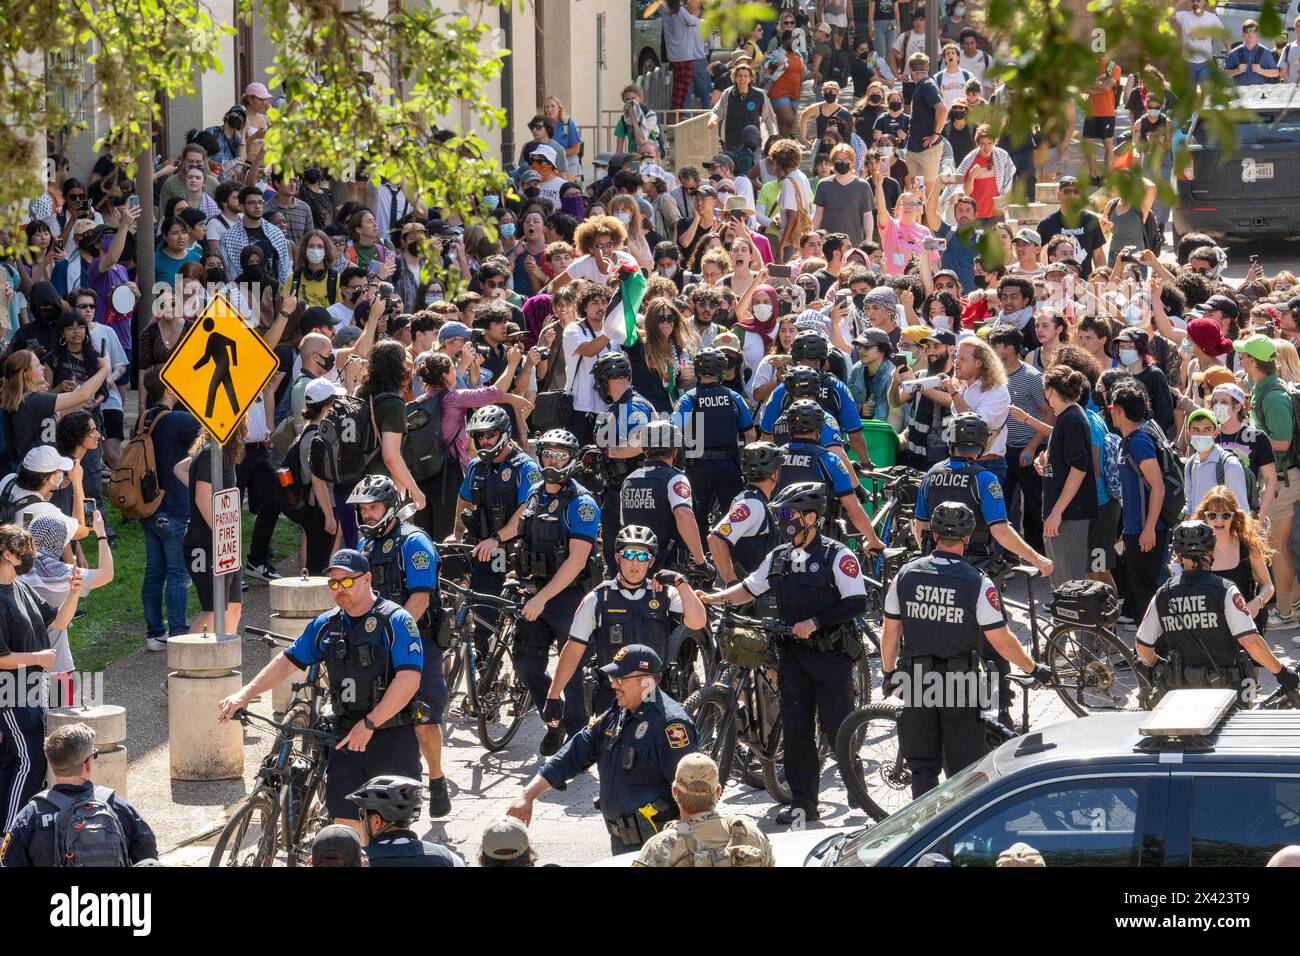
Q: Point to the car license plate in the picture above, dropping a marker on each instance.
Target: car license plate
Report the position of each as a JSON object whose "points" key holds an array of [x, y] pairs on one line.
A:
{"points": [[1263, 170]]}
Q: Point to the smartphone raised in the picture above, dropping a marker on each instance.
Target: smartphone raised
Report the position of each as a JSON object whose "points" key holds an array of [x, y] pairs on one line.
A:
{"points": [[88, 508], [778, 271], [375, 266]]}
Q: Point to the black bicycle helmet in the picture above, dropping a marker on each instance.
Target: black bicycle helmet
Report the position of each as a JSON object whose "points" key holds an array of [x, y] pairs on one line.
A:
{"points": [[810, 345], [802, 382], [712, 362], [490, 418], [372, 489], [761, 460], [805, 417], [802, 496], [396, 799], [610, 366], [558, 438], [966, 430], [637, 536], [952, 521], [660, 435], [1192, 539]]}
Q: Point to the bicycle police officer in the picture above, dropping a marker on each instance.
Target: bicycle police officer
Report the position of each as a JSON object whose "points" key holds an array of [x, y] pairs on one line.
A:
{"points": [[658, 496], [715, 418], [389, 806], [404, 568], [940, 607], [744, 536], [618, 432], [631, 608], [493, 493], [557, 530], [635, 746], [1208, 637], [800, 381], [373, 656], [819, 590]]}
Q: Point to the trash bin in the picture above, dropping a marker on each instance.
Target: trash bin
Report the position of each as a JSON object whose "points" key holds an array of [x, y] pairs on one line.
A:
{"points": [[882, 443]]}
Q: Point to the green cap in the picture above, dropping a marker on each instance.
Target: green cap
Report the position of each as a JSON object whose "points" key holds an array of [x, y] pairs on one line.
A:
{"points": [[1202, 413], [1259, 347]]}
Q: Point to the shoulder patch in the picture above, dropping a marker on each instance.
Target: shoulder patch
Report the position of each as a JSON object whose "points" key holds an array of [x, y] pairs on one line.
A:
{"points": [[739, 513], [724, 529], [587, 511], [995, 489], [1240, 603], [413, 647], [994, 598], [677, 736], [682, 489], [421, 560], [849, 566]]}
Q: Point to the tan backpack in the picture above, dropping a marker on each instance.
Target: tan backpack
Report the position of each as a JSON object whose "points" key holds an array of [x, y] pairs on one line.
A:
{"points": [[135, 488], [738, 851]]}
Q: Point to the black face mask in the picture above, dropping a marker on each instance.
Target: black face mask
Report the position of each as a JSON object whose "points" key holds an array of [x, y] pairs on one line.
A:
{"points": [[25, 562], [959, 117], [253, 272], [532, 192], [311, 176], [831, 97], [327, 363], [215, 274], [873, 100], [864, 56], [789, 530], [413, 248], [841, 166], [235, 122], [895, 107], [981, 282]]}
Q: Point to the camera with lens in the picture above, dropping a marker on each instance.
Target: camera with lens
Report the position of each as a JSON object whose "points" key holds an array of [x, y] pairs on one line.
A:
{"points": [[1129, 257]]}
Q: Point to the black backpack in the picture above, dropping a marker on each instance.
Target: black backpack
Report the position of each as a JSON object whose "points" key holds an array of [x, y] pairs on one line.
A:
{"points": [[87, 833], [424, 450], [1172, 468], [346, 442], [10, 506], [293, 489]]}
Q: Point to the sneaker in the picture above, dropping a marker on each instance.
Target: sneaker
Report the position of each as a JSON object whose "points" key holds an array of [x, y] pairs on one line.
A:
{"points": [[439, 800], [552, 741], [262, 572], [788, 815], [1125, 619], [1277, 621], [156, 643]]}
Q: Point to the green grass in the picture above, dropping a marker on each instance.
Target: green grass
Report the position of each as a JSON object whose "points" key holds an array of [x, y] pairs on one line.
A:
{"points": [[114, 623]]}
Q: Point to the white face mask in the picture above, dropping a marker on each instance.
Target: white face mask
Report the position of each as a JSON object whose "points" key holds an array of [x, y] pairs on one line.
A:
{"points": [[623, 217], [1202, 442], [1128, 356], [1152, 114], [1188, 346], [1222, 412], [667, 272], [762, 312], [941, 323], [1133, 314], [315, 255]]}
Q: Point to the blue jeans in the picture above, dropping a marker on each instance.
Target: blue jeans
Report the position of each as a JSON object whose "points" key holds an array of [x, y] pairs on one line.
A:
{"points": [[886, 34], [164, 569], [701, 85], [1198, 72], [998, 466]]}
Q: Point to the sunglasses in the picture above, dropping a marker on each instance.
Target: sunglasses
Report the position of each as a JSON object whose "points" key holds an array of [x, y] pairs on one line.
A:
{"points": [[487, 436], [550, 455], [787, 514], [345, 583], [1216, 516], [494, 285], [536, 126], [632, 554]]}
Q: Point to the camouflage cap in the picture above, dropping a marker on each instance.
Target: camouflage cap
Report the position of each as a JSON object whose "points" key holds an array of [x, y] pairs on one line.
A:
{"points": [[506, 839], [697, 773]]}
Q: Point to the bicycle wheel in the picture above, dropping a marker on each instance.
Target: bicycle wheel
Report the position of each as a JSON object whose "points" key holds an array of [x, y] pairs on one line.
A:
{"points": [[693, 659], [713, 711], [866, 751], [502, 696], [310, 816], [1094, 673], [453, 662], [251, 836], [774, 779]]}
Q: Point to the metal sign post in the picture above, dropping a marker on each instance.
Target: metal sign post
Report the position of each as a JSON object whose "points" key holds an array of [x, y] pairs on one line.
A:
{"points": [[227, 536], [218, 585]]}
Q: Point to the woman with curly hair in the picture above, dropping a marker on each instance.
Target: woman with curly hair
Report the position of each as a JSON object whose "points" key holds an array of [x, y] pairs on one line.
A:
{"points": [[598, 242], [795, 197], [1241, 554]]}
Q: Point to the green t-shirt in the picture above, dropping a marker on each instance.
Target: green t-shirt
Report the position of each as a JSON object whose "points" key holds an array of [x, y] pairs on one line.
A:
{"points": [[390, 416], [1271, 413]]}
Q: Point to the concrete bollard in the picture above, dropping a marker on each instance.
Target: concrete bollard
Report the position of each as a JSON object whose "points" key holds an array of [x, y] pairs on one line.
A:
{"points": [[204, 670], [294, 603], [108, 721]]}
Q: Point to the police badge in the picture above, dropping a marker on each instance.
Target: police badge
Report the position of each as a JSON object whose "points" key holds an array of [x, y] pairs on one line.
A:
{"points": [[505, 474]]}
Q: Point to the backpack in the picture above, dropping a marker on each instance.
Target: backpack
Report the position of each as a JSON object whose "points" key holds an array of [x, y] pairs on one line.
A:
{"points": [[737, 852], [11, 507], [1153, 237], [346, 442], [1252, 483], [293, 488], [1172, 469], [1291, 457], [87, 833], [423, 449], [803, 220], [1112, 456], [135, 488]]}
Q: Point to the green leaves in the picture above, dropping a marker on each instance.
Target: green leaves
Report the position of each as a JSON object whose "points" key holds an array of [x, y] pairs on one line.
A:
{"points": [[734, 21]]}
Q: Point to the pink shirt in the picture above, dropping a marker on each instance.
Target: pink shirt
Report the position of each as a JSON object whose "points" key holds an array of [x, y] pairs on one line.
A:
{"points": [[455, 404], [901, 242], [763, 245]]}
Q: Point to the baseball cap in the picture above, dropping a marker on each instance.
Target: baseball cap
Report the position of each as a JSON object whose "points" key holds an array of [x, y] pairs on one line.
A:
{"points": [[45, 458], [602, 160], [347, 335], [1064, 182], [532, 176], [1223, 303], [721, 159], [506, 839], [633, 659], [258, 90], [1294, 304], [348, 559], [1133, 335], [1258, 347], [696, 773], [336, 845], [916, 334], [706, 189], [453, 330], [874, 337], [1030, 236], [322, 390], [314, 318], [941, 338], [542, 152], [1232, 390], [1202, 413]]}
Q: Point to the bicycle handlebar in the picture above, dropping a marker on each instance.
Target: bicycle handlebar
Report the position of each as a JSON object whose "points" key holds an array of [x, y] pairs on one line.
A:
{"points": [[269, 638], [770, 624], [244, 716]]}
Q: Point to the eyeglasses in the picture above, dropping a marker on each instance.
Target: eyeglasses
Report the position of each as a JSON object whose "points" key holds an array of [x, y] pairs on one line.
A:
{"points": [[604, 246], [345, 583], [94, 754], [634, 554], [1216, 516], [910, 205], [487, 436], [74, 197], [553, 455]]}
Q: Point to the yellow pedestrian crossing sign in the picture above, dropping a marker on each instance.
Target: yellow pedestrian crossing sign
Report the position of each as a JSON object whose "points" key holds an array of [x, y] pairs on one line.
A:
{"points": [[219, 368]]}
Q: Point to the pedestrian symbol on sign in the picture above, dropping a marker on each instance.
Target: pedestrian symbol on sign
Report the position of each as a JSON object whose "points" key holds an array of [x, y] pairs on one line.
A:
{"points": [[221, 352]]}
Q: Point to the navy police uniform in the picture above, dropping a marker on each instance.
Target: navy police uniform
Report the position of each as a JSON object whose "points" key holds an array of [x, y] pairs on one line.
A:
{"points": [[623, 419], [714, 418], [361, 657], [830, 436], [945, 606], [814, 675], [612, 617], [548, 524], [404, 848], [650, 497], [32, 840], [24, 617], [835, 398], [807, 461], [748, 530]]}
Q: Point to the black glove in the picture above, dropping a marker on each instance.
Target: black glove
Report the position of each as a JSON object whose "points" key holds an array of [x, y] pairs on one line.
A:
{"points": [[1042, 673], [553, 709], [886, 682], [669, 577], [1287, 679]]}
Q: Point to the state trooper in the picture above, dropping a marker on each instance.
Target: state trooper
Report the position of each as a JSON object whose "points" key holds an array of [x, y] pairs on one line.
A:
{"points": [[941, 608], [557, 531], [746, 533], [1201, 626], [389, 806], [807, 461], [714, 419], [819, 590], [630, 608], [492, 494], [373, 657], [404, 567], [811, 349], [659, 497], [635, 746], [618, 431]]}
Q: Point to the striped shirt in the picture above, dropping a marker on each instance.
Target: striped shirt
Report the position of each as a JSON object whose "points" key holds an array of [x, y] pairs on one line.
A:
{"points": [[1026, 387]]}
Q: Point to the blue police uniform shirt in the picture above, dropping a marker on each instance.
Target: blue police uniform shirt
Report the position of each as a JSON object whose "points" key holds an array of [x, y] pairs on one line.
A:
{"points": [[846, 415], [419, 561], [404, 645], [624, 417], [524, 476], [686, 407], [829, 438], [581, 517], [836, 475], [988, 491]]}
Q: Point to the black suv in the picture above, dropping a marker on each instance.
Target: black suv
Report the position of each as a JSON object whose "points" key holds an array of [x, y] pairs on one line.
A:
{"points": [[1097, 791], [1255, 193]]}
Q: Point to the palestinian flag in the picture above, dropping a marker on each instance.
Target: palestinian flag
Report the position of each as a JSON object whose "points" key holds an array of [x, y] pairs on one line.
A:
{"points": [[625, 304]]}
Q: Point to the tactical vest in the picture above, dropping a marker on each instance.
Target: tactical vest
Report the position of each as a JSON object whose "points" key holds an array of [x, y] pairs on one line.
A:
{"points": [[945, 485], [803, 462], [643, 500], [748, 553], [737, 851], [829, 397], [621, 620], [714, 419], [493, 494], [611, 426], [544, 533], [388, 570], [358, 661], [1191, 612], [806, 588], [937, 598]]}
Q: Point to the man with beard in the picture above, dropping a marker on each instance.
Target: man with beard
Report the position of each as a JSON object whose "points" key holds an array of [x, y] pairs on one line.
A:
{"points": [[252, 229], [923, 439]]}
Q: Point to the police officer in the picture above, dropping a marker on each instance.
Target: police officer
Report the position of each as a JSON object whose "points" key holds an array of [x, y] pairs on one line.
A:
{"points": [[658, 496], [715, 419], [632, 608], [404, 568], [635, 746], [746, 533], [1209, 638], [373, 656], [389, 805], [819, 589], [618, 432], [940, 607], [806, 461], [557, 530], [811, 349], [493, 493], [800, 381]]}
